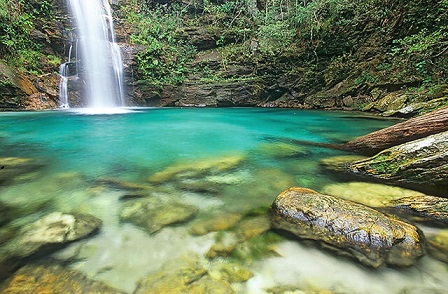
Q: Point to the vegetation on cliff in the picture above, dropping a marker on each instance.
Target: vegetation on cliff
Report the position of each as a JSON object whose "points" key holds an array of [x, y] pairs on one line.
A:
{"points": [[321, 51]]}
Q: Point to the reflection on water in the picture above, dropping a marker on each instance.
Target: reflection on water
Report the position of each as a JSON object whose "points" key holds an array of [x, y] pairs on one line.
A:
{"points": [[173, 184]]}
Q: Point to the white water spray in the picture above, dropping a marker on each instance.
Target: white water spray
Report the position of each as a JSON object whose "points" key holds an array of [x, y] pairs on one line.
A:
{"points": [[99, 59]]}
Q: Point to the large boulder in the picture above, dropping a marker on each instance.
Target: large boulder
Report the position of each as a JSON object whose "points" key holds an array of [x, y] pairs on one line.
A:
{"points": [[423, 161], [44, 236], [351, 228]]}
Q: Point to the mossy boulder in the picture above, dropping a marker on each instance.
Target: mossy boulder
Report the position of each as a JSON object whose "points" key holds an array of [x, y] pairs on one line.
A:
{"points": [[52, 279], [423, 161], [366, 234], [152, 215], [371, 194]]}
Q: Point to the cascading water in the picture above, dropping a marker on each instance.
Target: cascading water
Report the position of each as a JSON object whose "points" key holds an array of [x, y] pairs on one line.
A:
{"points": [[99, 60]]}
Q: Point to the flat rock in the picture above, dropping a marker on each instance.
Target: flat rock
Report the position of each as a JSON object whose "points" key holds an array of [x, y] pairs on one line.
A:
{"points": [[366, 234], [196, 169], [423, 208], [371, 194]]}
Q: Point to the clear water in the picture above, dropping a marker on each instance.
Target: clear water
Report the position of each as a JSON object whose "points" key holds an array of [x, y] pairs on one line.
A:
{"points": [[78, 150]]}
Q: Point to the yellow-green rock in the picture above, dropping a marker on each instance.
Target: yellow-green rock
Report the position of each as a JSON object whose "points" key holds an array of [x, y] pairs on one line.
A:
{"points": [[371, 194]]}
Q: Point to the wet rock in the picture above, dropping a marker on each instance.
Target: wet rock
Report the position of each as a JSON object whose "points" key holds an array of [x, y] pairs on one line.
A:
{"points": [[371, 194], [339, 164], [423, 208], [13, 167], [152, 215], [196, 169], [438, 245], [368, 235], [52, 279], [45, 235], [423, 161], [219, 222]]}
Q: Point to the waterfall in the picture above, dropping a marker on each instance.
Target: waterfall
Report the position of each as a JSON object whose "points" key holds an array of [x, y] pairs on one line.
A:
{"points": [[98, 61]]}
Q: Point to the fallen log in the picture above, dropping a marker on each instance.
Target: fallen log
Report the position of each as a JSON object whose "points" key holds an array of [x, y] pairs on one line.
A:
{"points": [[412, 129]]}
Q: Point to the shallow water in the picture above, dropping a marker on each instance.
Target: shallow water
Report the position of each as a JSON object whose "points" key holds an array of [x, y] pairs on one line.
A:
{"points": [[80, 151]]}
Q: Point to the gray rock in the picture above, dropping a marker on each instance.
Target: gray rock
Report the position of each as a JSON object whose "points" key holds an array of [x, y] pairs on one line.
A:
{"points": [[366, 234]]}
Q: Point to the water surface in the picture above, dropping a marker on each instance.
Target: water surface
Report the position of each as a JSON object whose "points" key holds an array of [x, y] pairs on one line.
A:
{"points": [[81, 152]]}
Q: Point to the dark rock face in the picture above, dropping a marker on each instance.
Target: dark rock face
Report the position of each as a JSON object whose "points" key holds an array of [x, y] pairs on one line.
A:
{"points": [[423, 161], [366, 234]]}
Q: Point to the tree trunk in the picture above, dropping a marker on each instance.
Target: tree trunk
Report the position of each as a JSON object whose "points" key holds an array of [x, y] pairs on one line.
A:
{"points": [[413, 129]]}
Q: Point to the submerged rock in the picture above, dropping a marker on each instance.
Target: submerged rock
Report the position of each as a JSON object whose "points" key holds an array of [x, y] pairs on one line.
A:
{"points": [[247, 229], [46, 235], [423, 161], [368, 235], [438, 245], [196, 169], [153, 215], [371, 194], [339, 163], [219, 222], [52, 279], [183, 276], [13, 167], [281, 150], [428, 209]]}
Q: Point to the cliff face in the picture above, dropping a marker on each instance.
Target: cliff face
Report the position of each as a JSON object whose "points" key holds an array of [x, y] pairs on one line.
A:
{"points": [[32, 47], [252, 53]]}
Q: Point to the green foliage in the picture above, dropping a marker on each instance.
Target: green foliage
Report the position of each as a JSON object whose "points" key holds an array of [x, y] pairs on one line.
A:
{"points": [[166, 53], [18, 19]]}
